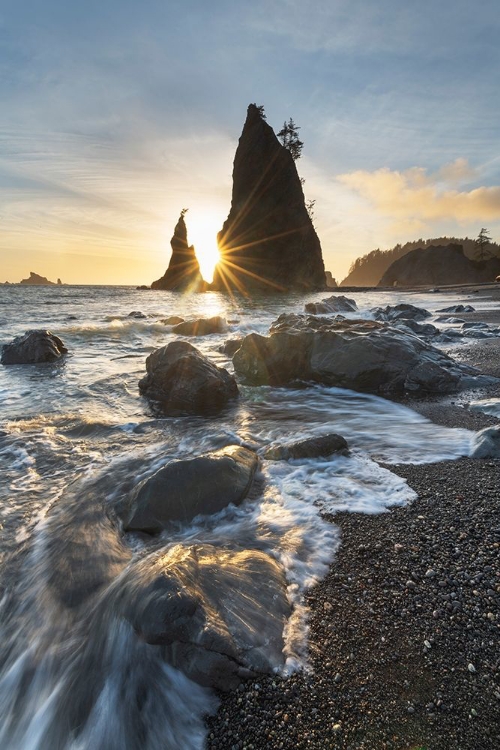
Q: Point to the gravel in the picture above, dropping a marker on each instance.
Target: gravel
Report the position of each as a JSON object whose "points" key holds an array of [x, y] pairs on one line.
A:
{"points": [[404, 629]]}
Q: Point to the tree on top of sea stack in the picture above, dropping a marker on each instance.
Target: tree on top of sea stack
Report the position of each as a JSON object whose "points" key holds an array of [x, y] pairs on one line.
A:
{"points": [[268, 242], [183, 272]]}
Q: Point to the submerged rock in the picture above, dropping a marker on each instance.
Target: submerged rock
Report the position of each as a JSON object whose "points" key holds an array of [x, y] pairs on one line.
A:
{"points": [[314, 447], [136, 314], [332, 304], [268, 242], [33, 347], [172, 320], [218, 613], [201, 326], [358, 354], [183, 272], [184, 381], [486, 443], [184, 489]]}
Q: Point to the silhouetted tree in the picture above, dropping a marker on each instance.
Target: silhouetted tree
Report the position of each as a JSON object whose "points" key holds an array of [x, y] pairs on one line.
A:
{"points": [[289, 137], [260, 109], [483, 242], [310, 209]]}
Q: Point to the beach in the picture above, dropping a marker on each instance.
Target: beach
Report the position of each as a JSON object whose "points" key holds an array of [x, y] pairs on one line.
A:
{"points": [[405, 628]]}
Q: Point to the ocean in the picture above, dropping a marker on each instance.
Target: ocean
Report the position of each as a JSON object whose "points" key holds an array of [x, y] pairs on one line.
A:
{"points": [[77, 434]]}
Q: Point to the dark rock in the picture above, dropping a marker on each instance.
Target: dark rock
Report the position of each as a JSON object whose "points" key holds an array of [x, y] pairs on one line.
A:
{"points": [[183, 489], [331, 305], [142, 286], [421, 329], [201, 327], [59, 282], [268, 242], [183, 272], [439, 264], [172, 320], [402, 311], [358, 354], [324, 445], [183, 381], [136, 314], [457, 309], [230, 347], [36, 280], [219, 614], [33, 347]]}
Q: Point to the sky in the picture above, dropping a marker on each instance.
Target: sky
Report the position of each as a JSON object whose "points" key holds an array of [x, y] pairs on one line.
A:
{"points": [[115, 115]]}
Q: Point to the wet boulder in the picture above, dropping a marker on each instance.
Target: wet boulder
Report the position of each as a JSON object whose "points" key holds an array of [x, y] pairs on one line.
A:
{"points": [[358, 354], [315, 447], [172, 320], [201, 327], [33, 347], [184, 489], [457, 309], [333, 304], [181, 380], [486, 443], [219, 614], [231, 346], [420, 329], [136, 314], [402, 311]]}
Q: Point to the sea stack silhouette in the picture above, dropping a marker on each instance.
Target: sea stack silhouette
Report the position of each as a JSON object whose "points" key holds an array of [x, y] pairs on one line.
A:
{"points": [[268, 242], [183, 272]]}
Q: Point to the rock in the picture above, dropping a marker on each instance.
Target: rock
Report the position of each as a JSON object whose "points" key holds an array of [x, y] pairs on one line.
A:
{"points": [[36, 280], [183, 272], [231, 346], [142, 286], [331, 283], [183, 381], [201, 327], [402, 311], [59, 282], [172, 320], [324, 445], [439, 264], [486, 443], [457, 309], [33, 347], [184, 489], [331, 305], [136, 314], [421, 329], [219, 614], [358, 354], [268, 242]]}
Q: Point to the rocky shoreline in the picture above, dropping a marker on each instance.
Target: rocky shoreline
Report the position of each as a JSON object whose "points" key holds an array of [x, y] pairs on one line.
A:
{"points": [[404, 629]]}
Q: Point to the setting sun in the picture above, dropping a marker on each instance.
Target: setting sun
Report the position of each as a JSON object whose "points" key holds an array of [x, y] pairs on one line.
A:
{"points": [[202, 233]]}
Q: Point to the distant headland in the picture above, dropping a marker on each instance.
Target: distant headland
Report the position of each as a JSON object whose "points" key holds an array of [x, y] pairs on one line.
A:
{"points": [[35, 279]]}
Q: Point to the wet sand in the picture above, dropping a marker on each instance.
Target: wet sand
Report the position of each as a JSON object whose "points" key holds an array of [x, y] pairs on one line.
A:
{"points": [[405, 628]]}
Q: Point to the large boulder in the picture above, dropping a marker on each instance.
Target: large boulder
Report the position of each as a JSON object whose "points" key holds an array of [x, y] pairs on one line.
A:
{"points": [[403, 311], [33, 347], [330, 305], [218, 613], [315, 447], [184, 489], [183, 272], [268, 242], [358, 354], [201, 326], [183, 381]]}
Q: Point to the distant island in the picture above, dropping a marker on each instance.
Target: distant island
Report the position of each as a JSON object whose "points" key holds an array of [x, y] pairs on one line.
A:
{"points": [[36, 280]]}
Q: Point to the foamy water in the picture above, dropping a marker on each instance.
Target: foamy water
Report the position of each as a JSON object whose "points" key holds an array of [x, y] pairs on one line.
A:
{"points": [[78, 434]]}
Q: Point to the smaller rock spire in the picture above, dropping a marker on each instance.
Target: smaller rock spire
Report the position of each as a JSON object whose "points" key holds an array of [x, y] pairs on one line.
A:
{"points": [[183, 272]]}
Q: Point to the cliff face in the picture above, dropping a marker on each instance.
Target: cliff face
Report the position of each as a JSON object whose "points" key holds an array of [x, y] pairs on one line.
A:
{"points": [[183, 272], [268, 242], [36, 280], [437, 265]]}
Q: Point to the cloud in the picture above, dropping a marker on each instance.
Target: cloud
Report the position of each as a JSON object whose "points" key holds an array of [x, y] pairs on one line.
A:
{"points": [[417, 196]]}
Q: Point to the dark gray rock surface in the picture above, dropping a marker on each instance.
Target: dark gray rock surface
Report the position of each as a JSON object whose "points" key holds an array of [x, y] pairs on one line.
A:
{"points": [[314, 447], [268, 242], [184, 489], [334, 304], [183, 381], [201, 326], [33, 347], [183, 272]]}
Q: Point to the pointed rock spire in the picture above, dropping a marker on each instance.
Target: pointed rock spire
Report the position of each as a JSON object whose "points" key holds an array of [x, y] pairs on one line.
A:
{"points": [[268, 242], [183, 272]]}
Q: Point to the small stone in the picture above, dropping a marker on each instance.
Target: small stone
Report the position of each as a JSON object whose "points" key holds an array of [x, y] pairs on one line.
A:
{"points": [[427, 644], [430, 573], [471, 667], [338, 677], [410, 584]]}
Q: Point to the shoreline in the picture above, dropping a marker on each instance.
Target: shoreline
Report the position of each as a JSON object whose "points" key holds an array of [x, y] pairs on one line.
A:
{"points": [[405, 627]]}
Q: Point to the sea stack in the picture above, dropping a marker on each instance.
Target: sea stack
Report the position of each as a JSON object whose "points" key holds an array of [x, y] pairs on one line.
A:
{"points": [[183, 272], [268, 242]]}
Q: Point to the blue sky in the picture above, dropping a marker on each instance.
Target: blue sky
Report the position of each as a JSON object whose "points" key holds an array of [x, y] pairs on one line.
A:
{"points": [[117, 114]]}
